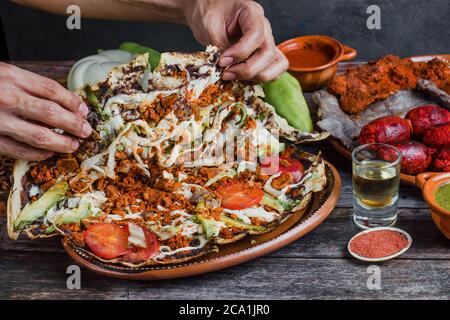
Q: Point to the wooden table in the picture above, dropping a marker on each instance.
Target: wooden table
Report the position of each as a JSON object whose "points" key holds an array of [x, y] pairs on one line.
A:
{"points": [[317, 266]]}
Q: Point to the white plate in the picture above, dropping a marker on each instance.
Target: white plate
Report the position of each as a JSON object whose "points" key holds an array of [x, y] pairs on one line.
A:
{"points": [[383, 258]]}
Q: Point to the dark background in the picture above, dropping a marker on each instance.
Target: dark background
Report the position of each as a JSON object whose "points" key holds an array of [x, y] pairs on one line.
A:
{"points": [[409, 27]]}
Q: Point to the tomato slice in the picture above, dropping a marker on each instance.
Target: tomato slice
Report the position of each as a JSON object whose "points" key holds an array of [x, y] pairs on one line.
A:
{"points": [[274, 164], [138, 254], [107, 240], [237, 195]]}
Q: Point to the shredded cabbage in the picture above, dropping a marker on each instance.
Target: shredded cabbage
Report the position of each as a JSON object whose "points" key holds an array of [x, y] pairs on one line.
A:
{"points": [[137, 235]]}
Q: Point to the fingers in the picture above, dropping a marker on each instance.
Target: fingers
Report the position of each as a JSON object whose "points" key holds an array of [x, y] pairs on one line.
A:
{"points": [[256, 51], [49, 89], [36, 135], [27, 96], [217, 35], [253, 26], [18, 150], [260, 60], [257, 69], [54, 115], [279, 65]]}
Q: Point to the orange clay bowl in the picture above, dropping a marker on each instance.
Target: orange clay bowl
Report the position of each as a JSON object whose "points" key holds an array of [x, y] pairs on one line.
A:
{"points": [[320, 64], [430, 182]]}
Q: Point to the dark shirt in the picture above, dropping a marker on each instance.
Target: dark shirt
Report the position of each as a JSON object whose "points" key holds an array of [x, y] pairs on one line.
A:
{"points": [[3, 48]]}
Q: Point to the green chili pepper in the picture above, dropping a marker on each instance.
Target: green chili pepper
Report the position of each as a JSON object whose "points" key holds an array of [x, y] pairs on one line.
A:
{"points": [[92, 99], [242, 114], [135, 48], [285, 95]]}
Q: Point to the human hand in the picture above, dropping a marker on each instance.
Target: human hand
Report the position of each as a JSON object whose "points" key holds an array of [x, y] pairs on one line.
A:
{"points": [[29, 106], [239, 28]]}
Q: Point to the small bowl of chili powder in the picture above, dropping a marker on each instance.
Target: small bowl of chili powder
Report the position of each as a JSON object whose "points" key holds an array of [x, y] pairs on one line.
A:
{"points": [[379, 244]]}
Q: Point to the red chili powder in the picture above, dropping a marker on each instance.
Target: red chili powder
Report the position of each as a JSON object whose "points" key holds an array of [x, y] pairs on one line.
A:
{"points": [[378, 244]]}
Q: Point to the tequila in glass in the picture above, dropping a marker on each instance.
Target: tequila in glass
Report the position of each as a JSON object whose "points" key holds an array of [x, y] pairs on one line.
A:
{"points": [[376, 180]]}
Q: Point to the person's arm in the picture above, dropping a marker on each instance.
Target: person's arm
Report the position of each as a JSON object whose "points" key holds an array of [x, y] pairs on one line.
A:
{"points": [[31, 104], [138, 10], [238, 27]]}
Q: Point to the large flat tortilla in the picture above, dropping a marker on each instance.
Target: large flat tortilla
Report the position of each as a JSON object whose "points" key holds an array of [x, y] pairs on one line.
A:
{"points": [[158, 124]]}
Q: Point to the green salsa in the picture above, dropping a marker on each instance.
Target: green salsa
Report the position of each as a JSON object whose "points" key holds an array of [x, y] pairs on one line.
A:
{"points": [[443, 196]]}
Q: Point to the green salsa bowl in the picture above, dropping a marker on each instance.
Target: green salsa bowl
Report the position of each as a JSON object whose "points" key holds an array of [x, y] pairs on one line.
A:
{"points": [[436, 192]]}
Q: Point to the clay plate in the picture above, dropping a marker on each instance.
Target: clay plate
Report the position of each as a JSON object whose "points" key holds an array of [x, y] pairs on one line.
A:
{"points": [[407, 179], [299, 224]]}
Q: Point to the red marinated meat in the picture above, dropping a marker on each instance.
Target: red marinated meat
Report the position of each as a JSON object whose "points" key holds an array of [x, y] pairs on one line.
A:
{"points": [[438, 136], [386, 130], [377, 80], [416, 157], [424, 117], [441, 161]]}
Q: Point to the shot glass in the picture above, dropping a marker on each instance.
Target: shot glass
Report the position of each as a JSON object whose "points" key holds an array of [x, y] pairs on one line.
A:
{"points": [[376, 180]]}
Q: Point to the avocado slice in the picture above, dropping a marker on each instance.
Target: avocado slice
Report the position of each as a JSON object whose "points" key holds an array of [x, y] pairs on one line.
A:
{"points": [[210, 227], [75, 215], [234, 223], [36, 210], [272, 203]]}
